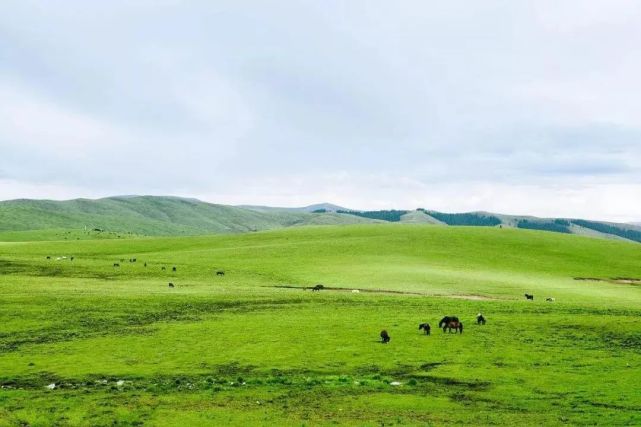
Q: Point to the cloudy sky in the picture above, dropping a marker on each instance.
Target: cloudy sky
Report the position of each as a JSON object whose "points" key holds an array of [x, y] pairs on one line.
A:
{"points": [[524, 107]]}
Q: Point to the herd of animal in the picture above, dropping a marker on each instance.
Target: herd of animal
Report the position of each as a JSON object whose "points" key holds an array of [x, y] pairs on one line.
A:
{"points": [[132, 260], [447, 323]]}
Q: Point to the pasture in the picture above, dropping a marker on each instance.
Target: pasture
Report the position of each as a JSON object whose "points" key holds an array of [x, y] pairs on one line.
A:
{"points": [[85, 343]]}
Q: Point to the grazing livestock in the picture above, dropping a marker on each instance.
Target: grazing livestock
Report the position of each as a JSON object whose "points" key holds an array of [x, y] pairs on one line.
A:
{"points": [[116, 264], [48, 257], [220, 273], [145, 264], [550, 299], [162, 268], [530, 297], [449, 323], [171, 285], [71, 258], [385, 338], [426, 327], [318, 287], [356, 291], [480, 320], [173, 268]]}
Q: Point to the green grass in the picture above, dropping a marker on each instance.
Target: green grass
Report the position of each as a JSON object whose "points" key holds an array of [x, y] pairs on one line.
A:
{"points": [[238, 350]]}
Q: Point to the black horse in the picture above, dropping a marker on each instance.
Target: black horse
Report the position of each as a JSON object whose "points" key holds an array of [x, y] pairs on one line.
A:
{"points": [[451, 322], [480, 320], [528, 296], [385, 338], [426, 327]]}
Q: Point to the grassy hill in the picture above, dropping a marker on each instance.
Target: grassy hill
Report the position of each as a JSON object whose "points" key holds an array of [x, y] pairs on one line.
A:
{"points": [[84, 342], [149, 215]]}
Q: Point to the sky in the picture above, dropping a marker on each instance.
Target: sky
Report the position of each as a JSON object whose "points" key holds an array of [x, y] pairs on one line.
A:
{"points": [[516, 107]]}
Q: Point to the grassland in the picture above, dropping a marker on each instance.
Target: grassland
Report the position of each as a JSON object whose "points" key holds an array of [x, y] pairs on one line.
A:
{"points": [[123, 348]]}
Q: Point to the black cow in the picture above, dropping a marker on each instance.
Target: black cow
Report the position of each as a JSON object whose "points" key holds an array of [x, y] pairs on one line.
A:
{"points": [[480, 320], [385, 338], [162, 268], [220, 273], [48, 257], [318, 287], [173, 268], [116, 264], [171, 285], [530, 297]]}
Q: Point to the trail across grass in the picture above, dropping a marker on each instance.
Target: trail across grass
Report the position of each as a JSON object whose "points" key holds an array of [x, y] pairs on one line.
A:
{"points": [[240, 349]]}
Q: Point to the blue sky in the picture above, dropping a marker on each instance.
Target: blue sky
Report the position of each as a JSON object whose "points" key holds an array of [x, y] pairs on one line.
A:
{"points": [[511, 106]]}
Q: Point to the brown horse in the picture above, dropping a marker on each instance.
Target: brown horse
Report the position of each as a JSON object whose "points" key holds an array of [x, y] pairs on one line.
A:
{"points": [[453, 324]]}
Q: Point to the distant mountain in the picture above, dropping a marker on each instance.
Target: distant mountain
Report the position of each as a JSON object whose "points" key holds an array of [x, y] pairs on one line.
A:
{"points": [[153, 215], [320, 207]]}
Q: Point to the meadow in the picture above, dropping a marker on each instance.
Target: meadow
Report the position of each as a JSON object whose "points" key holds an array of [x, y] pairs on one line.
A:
{"points": [[85, 343]]}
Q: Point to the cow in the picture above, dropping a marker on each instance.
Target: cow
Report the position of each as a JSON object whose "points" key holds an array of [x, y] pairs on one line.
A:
{"points": [[116, 264], [385, 338], [220, 273], [529, 297], [171, 285], [173, 268], [318, 287]]}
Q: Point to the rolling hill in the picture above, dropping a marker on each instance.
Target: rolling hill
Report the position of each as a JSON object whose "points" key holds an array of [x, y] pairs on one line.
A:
{"points": [[152, 215], [155, 216]]}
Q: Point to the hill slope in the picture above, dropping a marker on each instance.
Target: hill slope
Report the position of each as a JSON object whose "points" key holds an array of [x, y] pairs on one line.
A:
{"points": [[152, 215]]}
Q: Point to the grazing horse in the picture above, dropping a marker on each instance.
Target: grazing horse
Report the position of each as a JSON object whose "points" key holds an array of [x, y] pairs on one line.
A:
{"points": [[426, 327], [446, 320], [220, 273], [528, 296], [480, 320], [453, 324], [449, 323], [385, 338], [318, 287]]}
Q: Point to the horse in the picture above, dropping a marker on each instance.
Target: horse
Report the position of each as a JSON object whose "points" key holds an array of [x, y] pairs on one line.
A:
{"points": [[480, 320], [385, 338], [528, 296], [220, 273], [426, 327], [446, 320], [318, 287], [453, 324], [449, 323]]}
